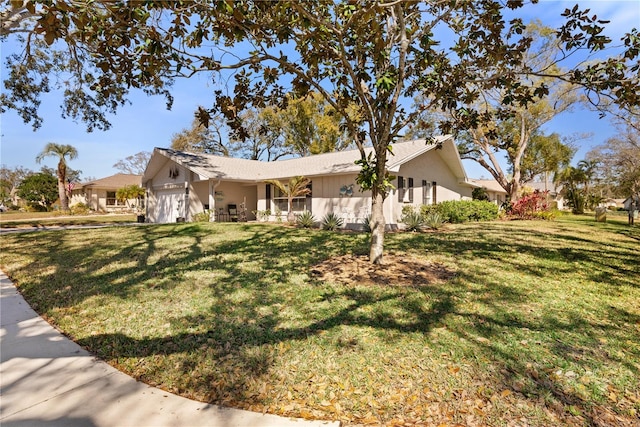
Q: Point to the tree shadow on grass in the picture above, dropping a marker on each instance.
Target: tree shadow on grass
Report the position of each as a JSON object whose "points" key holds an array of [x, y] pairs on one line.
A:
{"points": [[233, 347]]}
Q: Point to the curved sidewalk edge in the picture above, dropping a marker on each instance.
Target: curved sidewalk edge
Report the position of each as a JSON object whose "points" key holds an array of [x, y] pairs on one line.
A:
{"points": [[48, 380]]}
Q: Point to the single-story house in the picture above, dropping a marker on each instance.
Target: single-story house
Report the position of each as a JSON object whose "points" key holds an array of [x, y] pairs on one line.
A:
{"points": [[495, 192], [182, 184], [100, 195]]}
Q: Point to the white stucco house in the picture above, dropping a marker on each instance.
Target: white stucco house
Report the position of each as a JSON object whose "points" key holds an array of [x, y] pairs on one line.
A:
{"points": [[182, 184]]}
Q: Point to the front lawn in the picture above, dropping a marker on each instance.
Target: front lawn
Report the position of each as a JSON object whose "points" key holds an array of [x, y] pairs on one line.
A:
{"points": [[17, 219], [534, 323]]}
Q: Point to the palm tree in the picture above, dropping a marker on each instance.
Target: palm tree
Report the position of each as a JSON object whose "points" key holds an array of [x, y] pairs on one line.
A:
{"points": [[61, 151], [296, 187], [572, 180], [589, 168]]}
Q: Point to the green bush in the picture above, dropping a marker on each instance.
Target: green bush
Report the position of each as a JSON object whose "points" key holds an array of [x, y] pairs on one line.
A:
{"points": [[366, 223], [202, 216], [36, 207], [412, 220], [459, 211], [306, 220], [433, 220], [331, 222], [79, 209]]}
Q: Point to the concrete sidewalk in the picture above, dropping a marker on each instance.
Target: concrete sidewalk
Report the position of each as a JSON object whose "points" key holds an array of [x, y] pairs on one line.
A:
{"points": [[48, 380]]}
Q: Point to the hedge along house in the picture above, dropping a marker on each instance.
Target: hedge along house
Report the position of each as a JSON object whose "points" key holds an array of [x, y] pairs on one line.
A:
{"points": [[181, 184]]}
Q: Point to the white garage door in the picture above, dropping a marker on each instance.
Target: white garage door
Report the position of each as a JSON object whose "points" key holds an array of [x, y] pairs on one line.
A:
{"points": [[170, 205]]}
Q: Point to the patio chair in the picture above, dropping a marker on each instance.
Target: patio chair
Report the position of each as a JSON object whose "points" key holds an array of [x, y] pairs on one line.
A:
{"points": [[233, 212]]}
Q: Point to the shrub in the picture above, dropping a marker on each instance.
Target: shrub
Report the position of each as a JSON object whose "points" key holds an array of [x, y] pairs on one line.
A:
{"points": [[480, 193], [79, 209], [412, 220], [306, 219], [433, 220], [262, 215], [36, 207], [204, 216], [332, 222], [459, 211], [530, 206], [366, 223], [427, 209]]}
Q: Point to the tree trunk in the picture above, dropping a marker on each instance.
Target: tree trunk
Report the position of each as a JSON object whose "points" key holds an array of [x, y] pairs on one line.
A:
{"points": [[62, 193], [514, 189], [377, 224]]}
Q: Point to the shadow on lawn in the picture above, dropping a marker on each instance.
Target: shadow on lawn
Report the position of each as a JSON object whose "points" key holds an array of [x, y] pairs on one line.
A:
{"points": [[240, 338]]}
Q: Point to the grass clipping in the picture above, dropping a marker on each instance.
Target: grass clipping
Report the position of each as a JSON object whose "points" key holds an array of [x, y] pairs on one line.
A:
{"points": [[397, 270]]}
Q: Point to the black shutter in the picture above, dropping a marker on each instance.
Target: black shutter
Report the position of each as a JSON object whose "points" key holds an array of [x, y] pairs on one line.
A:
{"points": [[268, 196], [434, 186], [425, 197], [400, 188], [410, 190]]}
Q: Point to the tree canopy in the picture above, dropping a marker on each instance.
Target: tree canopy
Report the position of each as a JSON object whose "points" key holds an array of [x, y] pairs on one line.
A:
{"points": [[134, 164], [372, 56], [39, 189], [618, 162]]}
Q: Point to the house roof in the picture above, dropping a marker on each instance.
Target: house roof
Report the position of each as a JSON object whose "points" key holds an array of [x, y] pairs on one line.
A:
{"points": [[340, 162], [118, 180], [489, 184], [542, 186]]}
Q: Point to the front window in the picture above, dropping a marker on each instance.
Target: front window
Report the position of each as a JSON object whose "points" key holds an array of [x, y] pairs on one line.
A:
{"points": [[281, 202], [111, 198]]}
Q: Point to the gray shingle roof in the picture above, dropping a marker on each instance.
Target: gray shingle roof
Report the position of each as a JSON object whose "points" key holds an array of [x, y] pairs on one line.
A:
{"points": [[118, 180], [339, 162]]}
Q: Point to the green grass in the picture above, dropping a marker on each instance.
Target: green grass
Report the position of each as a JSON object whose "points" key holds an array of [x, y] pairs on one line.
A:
{"points": [[17, 219], [540, 323]]}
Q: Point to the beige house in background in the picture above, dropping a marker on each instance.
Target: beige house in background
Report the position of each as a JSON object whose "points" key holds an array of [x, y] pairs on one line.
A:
{"points": [[181, 184], [496, 193], [100, 195]]}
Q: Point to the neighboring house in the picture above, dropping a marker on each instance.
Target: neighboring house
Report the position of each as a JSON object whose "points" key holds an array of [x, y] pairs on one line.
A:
{"points": [[627, 202], [496, 193], [555, 198], [614, 203], [180, 184], [100, 195]]}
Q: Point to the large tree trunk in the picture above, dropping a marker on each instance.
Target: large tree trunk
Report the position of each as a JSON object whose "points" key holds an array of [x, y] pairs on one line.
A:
{"points": [[378, 225], [62, 193], [377, 221]]}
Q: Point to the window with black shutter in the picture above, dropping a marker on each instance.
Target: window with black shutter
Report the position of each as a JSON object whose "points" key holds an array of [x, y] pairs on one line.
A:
{"points": [[434, 186], [268, 196], [410, 190]]}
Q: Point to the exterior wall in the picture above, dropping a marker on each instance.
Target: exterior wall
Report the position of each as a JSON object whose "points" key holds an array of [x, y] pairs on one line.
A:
{"points": [[431, 168], [327, 197], [497, 198], [96, 199], [77, 197]]}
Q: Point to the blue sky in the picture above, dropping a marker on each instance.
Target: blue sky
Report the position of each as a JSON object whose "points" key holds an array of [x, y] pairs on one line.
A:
{"points": [[147, 124]]}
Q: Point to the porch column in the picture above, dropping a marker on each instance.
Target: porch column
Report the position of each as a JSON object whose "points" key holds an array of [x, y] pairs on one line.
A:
{"points": [[212, 201], [187, 185]]}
